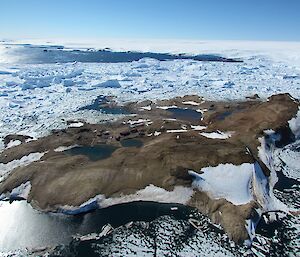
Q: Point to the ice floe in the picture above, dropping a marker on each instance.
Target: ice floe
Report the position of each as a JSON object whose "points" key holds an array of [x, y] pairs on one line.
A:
{"points": [[111, 83]]}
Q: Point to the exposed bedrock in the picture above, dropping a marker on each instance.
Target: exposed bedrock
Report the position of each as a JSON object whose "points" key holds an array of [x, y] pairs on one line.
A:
{"points": [[169, 149]]}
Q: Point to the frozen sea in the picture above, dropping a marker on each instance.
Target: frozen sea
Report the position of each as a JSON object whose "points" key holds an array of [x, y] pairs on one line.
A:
{"points": [[42, 84]]}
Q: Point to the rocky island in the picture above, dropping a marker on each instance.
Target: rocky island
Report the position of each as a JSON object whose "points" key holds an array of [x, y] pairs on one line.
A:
{"points": [[210, 155]]}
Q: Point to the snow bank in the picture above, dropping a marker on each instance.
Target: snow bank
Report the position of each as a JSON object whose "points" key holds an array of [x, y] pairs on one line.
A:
{"points": [[226, 181], [180, 195]]}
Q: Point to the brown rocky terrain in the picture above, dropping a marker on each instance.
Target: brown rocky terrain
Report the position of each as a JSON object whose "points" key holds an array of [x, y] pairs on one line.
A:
{"points": [[163, 160]]}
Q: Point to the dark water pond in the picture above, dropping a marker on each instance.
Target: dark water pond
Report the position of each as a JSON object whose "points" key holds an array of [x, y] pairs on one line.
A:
{"points": [[185, 114], [27, 53], [22, 226], [95, 153], [101, 103], [131, 143]]}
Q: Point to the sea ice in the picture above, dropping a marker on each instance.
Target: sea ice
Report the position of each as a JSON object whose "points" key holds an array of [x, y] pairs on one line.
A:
{"points": [[34, 97]]}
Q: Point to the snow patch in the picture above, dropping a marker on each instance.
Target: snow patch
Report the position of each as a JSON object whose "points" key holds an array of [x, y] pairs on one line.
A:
{"points": [[76, 125], [198, 127], [166, 107], [156, 133], [226, 181], [191, 103], [64, 148], [176, 130], [217, 135], [146, 108], [139, 122], [13, 143]]}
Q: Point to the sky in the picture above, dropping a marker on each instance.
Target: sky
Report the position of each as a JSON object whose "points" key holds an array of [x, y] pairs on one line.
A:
{"points": [[276, 20]]}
